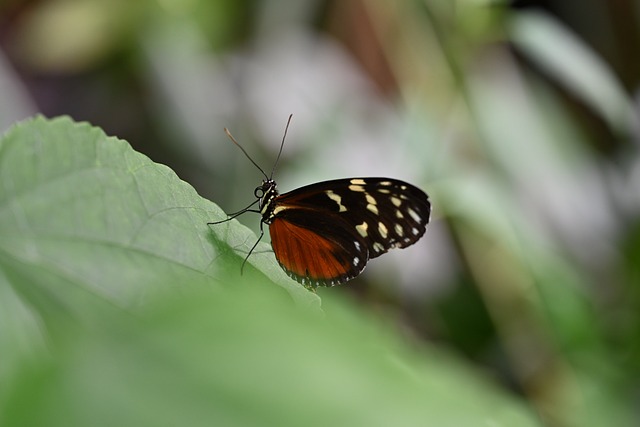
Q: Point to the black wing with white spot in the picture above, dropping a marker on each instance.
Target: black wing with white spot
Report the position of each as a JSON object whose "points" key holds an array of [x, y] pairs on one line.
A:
{"points": [[382, 213]]}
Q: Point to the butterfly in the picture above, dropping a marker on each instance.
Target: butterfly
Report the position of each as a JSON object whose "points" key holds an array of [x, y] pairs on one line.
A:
{"points": [[324, 234]]}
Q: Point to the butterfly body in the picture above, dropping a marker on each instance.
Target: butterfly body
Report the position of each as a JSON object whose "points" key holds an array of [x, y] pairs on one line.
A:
{"points": [[323, 234]]}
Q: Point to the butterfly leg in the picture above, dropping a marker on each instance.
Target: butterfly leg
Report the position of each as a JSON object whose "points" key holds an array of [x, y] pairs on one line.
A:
{"points": [[237, 214], [253, 247]]}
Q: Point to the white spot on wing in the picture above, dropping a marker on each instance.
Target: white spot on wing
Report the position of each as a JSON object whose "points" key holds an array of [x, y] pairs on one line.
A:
{"points": [[378, 247], [358, 181], [370, 199], [396, 202], [372, 208], [356, 188], [399, 229], [414, 215]]}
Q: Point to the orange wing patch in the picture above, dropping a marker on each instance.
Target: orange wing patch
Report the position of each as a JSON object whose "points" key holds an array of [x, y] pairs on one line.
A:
{"points": [[309, 257]]}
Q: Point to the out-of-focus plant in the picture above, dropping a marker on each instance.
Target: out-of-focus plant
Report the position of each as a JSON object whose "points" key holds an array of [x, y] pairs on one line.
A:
{"points": [[521, 125]]}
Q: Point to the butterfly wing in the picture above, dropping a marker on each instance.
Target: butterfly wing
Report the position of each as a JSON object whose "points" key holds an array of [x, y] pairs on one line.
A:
{"points": [[317, 249], [317, 231]]}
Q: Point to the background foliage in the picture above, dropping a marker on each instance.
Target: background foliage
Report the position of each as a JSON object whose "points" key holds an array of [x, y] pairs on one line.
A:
{"points": [[519, 119]]}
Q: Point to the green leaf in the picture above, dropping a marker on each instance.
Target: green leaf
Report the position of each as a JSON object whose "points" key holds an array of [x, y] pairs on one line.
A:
{"points": [[84, 216], [78, 202], [120, 306]]}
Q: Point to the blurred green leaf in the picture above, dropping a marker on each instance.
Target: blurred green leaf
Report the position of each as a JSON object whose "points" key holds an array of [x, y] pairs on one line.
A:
{"points": [[571, 63], [243, 357], [65, 36]]}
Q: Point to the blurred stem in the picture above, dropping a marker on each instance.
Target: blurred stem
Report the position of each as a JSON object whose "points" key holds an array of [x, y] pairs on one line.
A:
{"points": [[501, 275], [508, 289]]}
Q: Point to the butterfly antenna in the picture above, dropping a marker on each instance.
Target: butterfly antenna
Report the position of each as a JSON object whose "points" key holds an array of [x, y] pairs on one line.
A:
{"points": [[245, 153], [281, 145]]}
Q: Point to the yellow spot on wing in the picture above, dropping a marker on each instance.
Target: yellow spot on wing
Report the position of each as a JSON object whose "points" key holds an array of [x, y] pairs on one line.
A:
{"points": [[384, 232], [279, 209], [362, 229], [336, 198]]}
